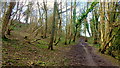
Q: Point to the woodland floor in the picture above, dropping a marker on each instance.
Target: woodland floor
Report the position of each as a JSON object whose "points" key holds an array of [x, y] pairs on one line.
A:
{"points": [[17, 53]]}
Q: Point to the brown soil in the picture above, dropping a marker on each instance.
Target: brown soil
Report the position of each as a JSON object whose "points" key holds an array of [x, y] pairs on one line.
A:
{"points": [[84, 55]]}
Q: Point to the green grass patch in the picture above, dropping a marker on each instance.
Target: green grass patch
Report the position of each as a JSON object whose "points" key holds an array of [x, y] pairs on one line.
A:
{"points": [[43, 42], [51, 63], [66, 60], [41, 46], [20, 64], [41, 63], [96, 45], [90, 40], [17, 46], [11, 61], [5, 39], [0, 39], [4, 49]]}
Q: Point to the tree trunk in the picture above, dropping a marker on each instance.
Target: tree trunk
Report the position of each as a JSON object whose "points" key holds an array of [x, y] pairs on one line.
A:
{"points": [[53, 28], [66, 24], [40, 19], [60, 23], [45, 8], [102, 26], [71, 25], [6, 19], [74, 21]]}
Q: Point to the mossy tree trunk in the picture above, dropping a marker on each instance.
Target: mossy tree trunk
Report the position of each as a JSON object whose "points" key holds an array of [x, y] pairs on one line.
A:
{"points": [[60, 23], [6, 19], [74, 22], [71, 20], [53, 27], [46, 16]]}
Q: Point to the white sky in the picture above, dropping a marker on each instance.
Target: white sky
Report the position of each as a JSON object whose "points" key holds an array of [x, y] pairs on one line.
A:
{"points": [[64, 0]]}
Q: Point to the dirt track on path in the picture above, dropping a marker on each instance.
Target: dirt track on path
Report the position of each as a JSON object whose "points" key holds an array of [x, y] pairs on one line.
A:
{"points": [[84, 55]]}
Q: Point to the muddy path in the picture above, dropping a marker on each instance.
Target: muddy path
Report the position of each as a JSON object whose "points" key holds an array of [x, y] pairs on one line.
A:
{"points": [[84, 55]]}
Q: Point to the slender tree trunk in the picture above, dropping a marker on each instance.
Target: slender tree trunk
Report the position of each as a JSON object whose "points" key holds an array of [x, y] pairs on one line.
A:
{"points": [[53, 27], [66, 24], [6, 19], [60, 23], [107, 28], [102, 34], [40, 19], [71, 24], [74, 21], [45, 8]]}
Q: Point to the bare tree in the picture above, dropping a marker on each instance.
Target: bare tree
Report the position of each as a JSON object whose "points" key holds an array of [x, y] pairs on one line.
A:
{"points": [[71, 24], [74, 21], [59, 22], [53, 27], [6, 19], [45, 9], [66, 31]]}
